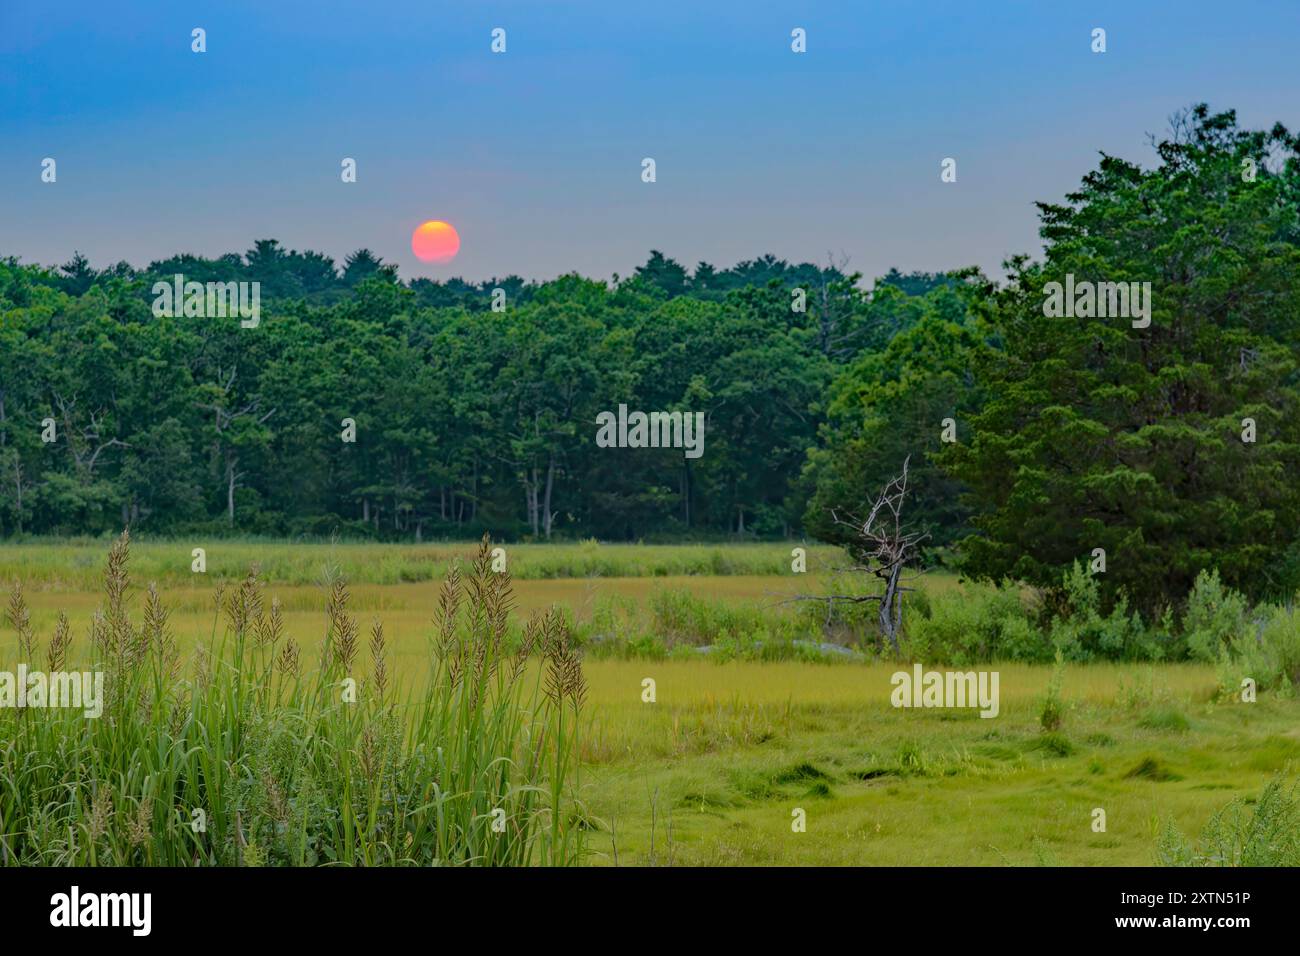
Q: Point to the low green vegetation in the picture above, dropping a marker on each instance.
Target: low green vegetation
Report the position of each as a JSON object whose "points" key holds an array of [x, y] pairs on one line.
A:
{"points": [[1249, 831], [231, 702], [711, 772], [959, 625], [76, 564]]}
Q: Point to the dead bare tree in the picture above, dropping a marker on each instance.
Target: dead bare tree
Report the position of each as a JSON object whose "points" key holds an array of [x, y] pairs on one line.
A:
{"points": [[227, 419], [882, 550], [15, 461], [836, 298], [85, 443]]}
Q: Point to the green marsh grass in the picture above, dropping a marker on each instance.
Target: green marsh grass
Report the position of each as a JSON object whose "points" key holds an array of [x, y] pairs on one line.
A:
{"points": [[75, 564]]}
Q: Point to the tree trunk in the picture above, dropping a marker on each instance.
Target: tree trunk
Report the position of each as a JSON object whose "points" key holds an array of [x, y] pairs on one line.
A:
{"points": [[888, 616], [18, 487], [686, 492], [550, 484], [231, 464], [531, 498]]}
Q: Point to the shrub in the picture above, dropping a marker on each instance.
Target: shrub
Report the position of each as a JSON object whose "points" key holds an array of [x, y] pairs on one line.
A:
{"points": [[1083, 633], [684, 627], [1215, 617], [1164, 718], [1053, 711], [1269, 653], [917, 604], [976, 626], [1143, 693], [1237, 836], [911, 759], [848, 622], [731, 631]]}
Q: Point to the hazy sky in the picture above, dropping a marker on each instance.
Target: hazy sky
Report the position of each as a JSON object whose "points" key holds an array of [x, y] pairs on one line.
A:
{"points": [[535, 155]]}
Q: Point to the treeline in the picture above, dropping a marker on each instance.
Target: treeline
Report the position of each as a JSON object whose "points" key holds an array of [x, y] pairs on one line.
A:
{"points": [[1153, 448], [466, 419], [318, 280]]}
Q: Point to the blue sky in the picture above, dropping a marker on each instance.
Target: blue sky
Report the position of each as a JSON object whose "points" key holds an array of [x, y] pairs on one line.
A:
{"points": [[535, 155]]}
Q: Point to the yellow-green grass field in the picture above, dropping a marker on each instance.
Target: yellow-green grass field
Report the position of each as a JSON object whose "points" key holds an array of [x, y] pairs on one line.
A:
{"points": [[79, 563], [711, 772]]}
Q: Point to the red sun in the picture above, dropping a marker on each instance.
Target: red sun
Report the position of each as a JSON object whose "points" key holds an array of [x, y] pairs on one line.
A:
{"points": [[435, 241]]}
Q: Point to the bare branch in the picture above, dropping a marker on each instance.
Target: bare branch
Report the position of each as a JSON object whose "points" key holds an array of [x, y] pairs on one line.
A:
{"points": [[885, 549]]}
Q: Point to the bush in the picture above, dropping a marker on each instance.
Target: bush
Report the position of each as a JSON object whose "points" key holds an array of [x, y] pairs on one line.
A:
{"points": [[1053, 711], [682, 626], [977, 625], [1164, 718], [681, 618], [1215, 617], [847, 622], [1236, 836], [1082, 633], [1269, 653]]}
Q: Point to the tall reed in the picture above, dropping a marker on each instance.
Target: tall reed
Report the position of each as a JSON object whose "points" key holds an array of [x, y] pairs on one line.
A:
{"points": [[246, 758]]}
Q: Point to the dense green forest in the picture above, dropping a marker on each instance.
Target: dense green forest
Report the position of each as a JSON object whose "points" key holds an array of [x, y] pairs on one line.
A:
{"points": [[1071, 434]]}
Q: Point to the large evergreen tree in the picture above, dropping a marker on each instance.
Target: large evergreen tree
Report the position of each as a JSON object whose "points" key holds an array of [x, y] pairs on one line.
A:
{"points": [[1096, 434]]}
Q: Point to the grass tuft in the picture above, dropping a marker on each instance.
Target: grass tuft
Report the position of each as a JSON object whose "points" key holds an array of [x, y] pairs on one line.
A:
{"points": [[1151, 768]]}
